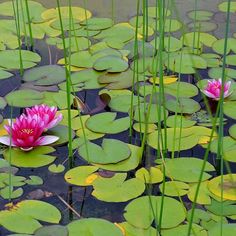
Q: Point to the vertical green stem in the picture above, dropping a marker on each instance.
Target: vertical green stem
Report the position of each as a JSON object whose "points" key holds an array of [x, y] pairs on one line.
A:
{"points": [[29, 23]]}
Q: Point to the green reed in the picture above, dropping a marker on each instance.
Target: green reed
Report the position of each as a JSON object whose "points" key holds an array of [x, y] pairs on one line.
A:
{"points": [[18, 31], [68, 83], [29, 23], [10, 158]]}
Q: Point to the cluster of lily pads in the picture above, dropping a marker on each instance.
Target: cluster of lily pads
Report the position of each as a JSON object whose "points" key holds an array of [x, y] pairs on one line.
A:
{"points": [[104, 60]]}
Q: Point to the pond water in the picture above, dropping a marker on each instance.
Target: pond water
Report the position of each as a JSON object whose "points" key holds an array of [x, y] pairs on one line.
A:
{"points": [[111, 177]]}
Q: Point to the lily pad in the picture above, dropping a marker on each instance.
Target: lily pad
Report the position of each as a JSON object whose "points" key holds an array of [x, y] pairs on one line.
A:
{"points": [[2, 103], [35, 158], [52, 230], [180, 169], [111, 151], [151, 176], [45, 75], [10, 60], [56, 168], [200, 15], [34, 180], [139, 214], [93, 227], [174, 188], [28, 212], [107, 123], [183, 105], [24, 98], [96, 23], [5, 75], [229, 190], [179, 121]]}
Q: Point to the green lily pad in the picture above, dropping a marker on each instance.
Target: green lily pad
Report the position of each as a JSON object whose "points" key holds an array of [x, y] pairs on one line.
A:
{"points": [[139, 20], [52, 230], [175, 188], [203, 196], [200, 15], [229, 148], [229, 109], [24, 98], [180, 121], [56, 168], [96, 23], [117, 80], [35, 158], [181, 89], [5, 75], [117, 189], [139, 214], [201, 38], [28, 212], [45, 75], [34, 180], [2, 103], [151, 176], [67, 23], [170, 25], [8, 192], [35, 9], [185, 63], [216, 73], [171, 44], [107, 123], [157, 114], [111, 151], [153, 10], [78, 175], [122, 103], [130, 230], [227, 229], [110, 64], [129, 164], [93, 227], [224, 6], [196, 230], [60, 131], [10, 60], [232, 131], [183, 105], [229, 208], [202, 26], [180, 169], [218, 46]]}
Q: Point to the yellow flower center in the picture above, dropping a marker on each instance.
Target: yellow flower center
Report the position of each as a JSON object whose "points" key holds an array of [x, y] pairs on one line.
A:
{"points": [[27, 131]]}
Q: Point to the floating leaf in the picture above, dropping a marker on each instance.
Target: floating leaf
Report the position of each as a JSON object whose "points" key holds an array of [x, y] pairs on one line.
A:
{"points": [[229, 190], [52, 230], [34, 180], [56, 168], [107, 123], [200, 15], [117, 189], [226, 229], [4, 74], [24, 98], [45, 75], [179, 121], [151, 176], [2, 103], [174, 188], [96, 23], [111, 151], [35, 158], [187, 169], [224, 7], [139, 214], [93, 227], [28, 213]]}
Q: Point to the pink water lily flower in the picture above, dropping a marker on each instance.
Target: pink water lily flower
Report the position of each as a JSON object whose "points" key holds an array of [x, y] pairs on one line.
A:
{"points": [[26, 132], [47, 114], [213, 89]]}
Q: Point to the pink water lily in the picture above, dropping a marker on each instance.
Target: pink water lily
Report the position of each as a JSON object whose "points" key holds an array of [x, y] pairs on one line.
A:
{"points": [[47, 114], [26, 132], [213, 89]]}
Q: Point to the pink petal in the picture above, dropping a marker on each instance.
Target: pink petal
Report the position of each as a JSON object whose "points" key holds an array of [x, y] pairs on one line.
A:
{"points": [[45, 140], [208, 94], [6, 141], [26, 149], [55, 121]]}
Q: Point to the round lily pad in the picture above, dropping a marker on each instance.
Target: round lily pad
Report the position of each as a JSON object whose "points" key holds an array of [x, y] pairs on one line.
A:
{"points": [[174, 188], [183, 105], [232, 131], [45, 75], [151, 176], [79, 175], [24, 98], [139, 214], [228, 184], [117, 189], [227, 229], [4, 74], [107, 123], [200, 15], [52, 230], [179, 121], [187, 169], [229, 109], [56, 168], [111, 151], [96, 23], [93, 227], [2, 103], [35, 158]]}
